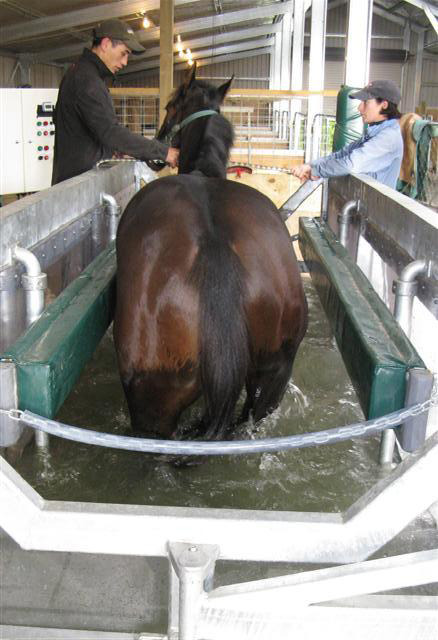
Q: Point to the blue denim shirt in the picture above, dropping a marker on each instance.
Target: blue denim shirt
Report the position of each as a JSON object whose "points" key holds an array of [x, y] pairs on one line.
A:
{"points": [[378, 153]]}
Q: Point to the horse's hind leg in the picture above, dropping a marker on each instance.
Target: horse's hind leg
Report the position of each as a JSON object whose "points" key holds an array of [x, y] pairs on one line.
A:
{"points": [[266, 385], [155, 403]]}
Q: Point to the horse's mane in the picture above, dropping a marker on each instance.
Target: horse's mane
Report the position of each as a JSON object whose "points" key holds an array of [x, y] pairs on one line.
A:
{"points": [[206, 142], [215, 147]]}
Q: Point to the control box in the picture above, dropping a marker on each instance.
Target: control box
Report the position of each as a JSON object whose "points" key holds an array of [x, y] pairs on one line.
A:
{"points": [[27, 132]]}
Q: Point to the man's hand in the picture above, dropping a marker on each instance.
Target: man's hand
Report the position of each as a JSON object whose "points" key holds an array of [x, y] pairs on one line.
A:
{"points": [[302, 171], [172, 157]]}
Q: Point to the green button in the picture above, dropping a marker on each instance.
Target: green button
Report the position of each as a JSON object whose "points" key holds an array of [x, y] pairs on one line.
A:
{"points": [[39, 133], [38, 123], [40, 148]]}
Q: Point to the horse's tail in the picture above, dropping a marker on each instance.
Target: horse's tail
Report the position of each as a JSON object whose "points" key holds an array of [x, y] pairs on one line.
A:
{"points": [[224, 344]]}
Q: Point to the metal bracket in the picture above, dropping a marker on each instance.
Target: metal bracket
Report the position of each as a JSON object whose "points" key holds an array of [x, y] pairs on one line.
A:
{"points": [[191, 576]]}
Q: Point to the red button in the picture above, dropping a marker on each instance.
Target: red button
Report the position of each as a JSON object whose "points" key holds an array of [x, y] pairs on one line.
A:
{"points": [[45, 123], [46, 157], [46, 148], [46, 133]]}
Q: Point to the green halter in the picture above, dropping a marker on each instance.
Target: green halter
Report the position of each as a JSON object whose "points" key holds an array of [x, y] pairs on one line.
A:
{"points": [[188, 120]]}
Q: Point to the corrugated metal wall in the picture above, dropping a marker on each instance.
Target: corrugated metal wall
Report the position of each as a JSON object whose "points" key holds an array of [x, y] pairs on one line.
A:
{"points": [[41, 75], [250, 73], [429, 83]]}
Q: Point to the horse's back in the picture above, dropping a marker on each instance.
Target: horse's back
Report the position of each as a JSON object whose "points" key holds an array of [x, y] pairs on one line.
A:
{"points": [[185, 211]]}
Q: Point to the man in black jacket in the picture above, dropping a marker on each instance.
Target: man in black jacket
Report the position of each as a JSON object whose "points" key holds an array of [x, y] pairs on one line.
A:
{"points": [[87, 129]]}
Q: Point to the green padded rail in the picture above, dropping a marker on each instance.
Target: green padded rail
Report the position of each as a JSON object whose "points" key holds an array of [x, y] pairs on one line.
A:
{"points": [[51, 354], [375, 350]]}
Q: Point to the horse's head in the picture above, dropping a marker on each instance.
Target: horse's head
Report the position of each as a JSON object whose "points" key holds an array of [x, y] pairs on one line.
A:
{"points": [[192, 99]]}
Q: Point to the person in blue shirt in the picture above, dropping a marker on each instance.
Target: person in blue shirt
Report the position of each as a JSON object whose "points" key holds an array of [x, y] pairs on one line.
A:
{"points": [[379, 152]]}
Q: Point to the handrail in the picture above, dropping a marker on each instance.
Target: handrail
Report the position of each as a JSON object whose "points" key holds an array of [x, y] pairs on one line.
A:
{"points": [[233, 93]]}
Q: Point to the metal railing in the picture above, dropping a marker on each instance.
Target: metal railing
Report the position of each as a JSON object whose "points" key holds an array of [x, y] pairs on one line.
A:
{"points": [[323, 127], [262, 125]]}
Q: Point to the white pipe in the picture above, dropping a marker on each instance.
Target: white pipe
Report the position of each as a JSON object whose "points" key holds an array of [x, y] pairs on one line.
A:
{"points": [[344, 220], [113, 212], [406, 287], [109, 200], [28, 259]]}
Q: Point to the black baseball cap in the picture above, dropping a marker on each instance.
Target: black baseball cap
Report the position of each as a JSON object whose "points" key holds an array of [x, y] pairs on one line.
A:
{"points": [[118, 30], [383, 89]]}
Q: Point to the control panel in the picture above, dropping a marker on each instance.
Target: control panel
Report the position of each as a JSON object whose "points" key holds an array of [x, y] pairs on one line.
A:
{"points": [[28, 133], [45, 131]]}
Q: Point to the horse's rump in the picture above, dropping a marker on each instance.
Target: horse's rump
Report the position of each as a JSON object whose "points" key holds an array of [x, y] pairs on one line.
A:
{"points": [[207, 287]]}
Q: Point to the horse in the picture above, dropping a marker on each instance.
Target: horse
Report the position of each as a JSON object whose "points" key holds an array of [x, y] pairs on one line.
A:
{"points": [[209, 293]]}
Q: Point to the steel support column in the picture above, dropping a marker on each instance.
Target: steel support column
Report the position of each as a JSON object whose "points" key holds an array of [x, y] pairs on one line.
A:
{"points": [[296, 81], [316, 74], [276, 79], [418, 68], [166, 54], [357, 62], [405, 67], [286, 54]]}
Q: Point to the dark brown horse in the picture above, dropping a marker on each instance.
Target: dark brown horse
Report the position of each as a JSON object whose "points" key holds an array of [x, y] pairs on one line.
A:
{"points": [[209, 295]]}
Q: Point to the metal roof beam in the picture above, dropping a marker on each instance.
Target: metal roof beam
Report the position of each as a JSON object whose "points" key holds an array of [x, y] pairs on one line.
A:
{"points": [[202, 62], [202, 53], [186, 26], [432, 19], [421, 4], [230, 36], [65, 21]]}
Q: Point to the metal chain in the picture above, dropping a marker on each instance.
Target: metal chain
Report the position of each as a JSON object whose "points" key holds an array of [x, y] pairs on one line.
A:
{"points": [[283, 443], [260, 166], [230, 164]]}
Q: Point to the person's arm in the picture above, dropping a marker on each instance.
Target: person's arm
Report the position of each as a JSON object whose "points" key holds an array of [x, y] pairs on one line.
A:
{"points": [[96, 110], [373, 154], [307, 171]]}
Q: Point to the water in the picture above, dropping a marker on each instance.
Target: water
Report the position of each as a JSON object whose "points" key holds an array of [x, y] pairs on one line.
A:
{"points": [[325, 478]]}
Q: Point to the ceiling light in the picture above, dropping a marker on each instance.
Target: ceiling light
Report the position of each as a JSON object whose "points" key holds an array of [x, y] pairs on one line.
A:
{"points": [[146, 23]]}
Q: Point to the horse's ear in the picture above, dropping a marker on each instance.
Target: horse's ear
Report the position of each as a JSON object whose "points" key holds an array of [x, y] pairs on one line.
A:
{"points": [[224, 88], [190, 76]]}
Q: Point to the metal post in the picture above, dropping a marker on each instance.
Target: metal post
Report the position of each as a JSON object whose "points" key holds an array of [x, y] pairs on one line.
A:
{"points": [[194, 566], [357, 59], [285, 70], [34, 282], [324, 203], [173, 608], [11, 327], [316, 72], [418, 68], [276, 78], [405, 289], [10, 430], [418, 389], [296, 82]]}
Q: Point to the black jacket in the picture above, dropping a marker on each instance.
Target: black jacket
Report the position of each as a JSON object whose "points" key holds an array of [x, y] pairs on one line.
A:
{"points": [[87, 129]]}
